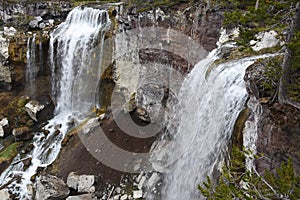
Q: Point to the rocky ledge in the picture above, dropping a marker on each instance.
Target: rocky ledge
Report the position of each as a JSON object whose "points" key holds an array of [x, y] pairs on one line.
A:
{"points": [[277, 126]]}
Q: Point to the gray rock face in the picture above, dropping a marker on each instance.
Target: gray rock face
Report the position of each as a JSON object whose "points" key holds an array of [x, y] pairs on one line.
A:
{"points": [[12, 11], [5, 76], [4, 43], [276, 126], [50, 187]]}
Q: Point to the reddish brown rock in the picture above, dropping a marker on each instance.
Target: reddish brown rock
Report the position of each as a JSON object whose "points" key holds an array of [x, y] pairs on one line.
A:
{"points": [[278, 127]]}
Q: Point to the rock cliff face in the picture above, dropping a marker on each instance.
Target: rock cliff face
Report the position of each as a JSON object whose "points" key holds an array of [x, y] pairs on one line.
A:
{"points": [[20, 13], [149, 62], [277, 126], [5, 75], [19, 21]]}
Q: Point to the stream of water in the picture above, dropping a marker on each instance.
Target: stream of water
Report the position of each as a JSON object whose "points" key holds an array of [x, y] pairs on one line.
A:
{"points": [[210, 101], [31, 68], [73, 44]]}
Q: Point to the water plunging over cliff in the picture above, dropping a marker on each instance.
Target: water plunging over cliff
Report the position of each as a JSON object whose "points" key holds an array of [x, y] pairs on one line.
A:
{"points": [[72, 46], [31, 68], [75, 65], [210, 100]]}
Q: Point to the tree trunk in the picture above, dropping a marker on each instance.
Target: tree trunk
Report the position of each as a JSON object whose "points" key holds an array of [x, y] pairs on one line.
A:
{"points": [[283, 95]]}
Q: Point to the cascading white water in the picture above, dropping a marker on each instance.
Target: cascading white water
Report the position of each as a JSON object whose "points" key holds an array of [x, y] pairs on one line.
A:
{"points": [[74, 80], [210, 100], [71, 47], [41, 62], [31, 68]]}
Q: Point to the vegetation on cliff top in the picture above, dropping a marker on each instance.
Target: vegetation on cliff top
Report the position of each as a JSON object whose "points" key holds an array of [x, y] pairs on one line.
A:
{"points": [[283, 16]]}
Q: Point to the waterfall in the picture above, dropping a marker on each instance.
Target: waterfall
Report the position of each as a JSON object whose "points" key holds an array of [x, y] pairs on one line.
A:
{"points": [[41, 61], [72, 45], [75, 59], [31, 68], [210, 100]]}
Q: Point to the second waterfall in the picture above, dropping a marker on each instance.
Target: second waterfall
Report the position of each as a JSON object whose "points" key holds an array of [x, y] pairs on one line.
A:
{"points": [[75, 56]]}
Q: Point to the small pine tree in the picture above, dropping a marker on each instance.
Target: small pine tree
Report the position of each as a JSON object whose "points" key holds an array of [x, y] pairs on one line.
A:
{"points": [[237, 183]]}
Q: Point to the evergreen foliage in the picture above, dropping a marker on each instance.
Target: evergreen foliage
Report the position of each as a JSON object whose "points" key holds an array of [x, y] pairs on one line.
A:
{"points": [[270, 14], [294, 87], [235, 182]]}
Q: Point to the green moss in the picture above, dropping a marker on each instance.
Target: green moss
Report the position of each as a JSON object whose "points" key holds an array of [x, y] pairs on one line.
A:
{"points": [[9, 152]]}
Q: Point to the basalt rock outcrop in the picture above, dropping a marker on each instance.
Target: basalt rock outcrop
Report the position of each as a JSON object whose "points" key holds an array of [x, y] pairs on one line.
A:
{"points": [[149, 66], [277, 126], [5, 75]]}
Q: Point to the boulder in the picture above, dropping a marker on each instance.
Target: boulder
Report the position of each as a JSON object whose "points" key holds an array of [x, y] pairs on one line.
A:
{"points": [[85, 183], [141, 183], [41, 109], [137, 194], [51, 22], [4, 43], [42, 25], [33, 24], [124, 197], [4, 195], [81, 183], [72, 180], [153, 180], [3, 124], [1, 131], [22, 133], [11, 31], [50, 187], [90, 125]]}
